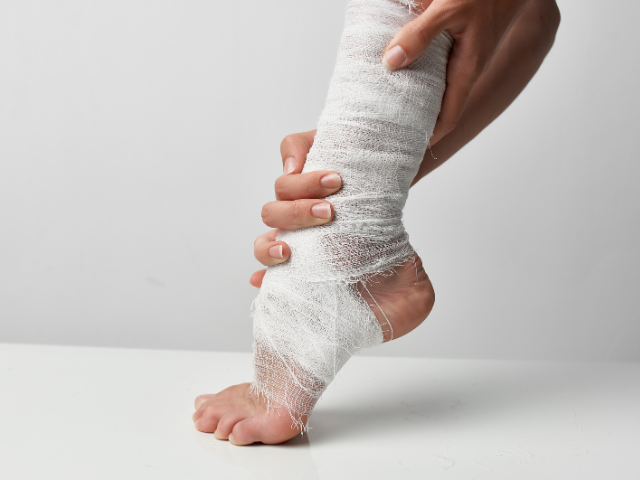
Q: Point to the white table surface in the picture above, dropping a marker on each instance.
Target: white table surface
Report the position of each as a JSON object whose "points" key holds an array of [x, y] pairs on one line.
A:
{"points": [[94, 413]]}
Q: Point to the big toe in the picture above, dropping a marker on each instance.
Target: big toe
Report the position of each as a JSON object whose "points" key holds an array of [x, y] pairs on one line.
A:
{"points": [[244, 433], [271, 430]]}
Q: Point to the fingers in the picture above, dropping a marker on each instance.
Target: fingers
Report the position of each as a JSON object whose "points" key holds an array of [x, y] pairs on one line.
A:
{"points": [[257, 277], [478, 29], [268, 251], [307, 185], [416, 36], [294, 149], [297, 214], [296, 206]]}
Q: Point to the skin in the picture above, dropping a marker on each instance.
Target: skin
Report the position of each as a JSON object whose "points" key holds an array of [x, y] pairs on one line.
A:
{"points": [[479, 29], [521, 35]]}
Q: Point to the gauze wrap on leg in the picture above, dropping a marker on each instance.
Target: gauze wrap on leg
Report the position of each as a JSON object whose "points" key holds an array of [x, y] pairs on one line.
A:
{"points": [[309, 316]]}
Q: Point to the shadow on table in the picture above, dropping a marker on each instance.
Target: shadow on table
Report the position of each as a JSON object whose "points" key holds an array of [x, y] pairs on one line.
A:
{"points": [[478, 392], [290, 461], [443, 397]]}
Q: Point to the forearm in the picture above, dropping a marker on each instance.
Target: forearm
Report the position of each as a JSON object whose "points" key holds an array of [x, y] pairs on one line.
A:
{"points": [[514, 65]]}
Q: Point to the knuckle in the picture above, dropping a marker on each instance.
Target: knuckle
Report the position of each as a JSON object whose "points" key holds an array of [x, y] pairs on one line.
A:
{"points": [[288, 142], [548, 21], [298, 211], [422, 37], [549, 12], [311, 184]]}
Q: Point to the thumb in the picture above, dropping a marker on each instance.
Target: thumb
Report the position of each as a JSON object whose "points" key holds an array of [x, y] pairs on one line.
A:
{"points": [[414, 38]]}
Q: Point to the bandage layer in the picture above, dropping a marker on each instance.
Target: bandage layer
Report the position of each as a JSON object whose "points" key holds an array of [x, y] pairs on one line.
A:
{"points": [[309, 317]]}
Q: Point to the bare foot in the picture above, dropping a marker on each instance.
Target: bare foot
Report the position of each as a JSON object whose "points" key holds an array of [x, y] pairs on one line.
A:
{"points": [[243, 419], [402, 299]]}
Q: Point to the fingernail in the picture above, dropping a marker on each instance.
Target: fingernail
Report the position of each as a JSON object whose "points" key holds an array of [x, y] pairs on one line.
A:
{"points": [[332, 180], [276, 251], [321, 210], [289, 165], [394, 58], [231, 440]]}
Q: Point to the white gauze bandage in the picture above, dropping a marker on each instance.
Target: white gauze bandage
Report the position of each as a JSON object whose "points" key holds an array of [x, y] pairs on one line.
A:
{"points": [[309, 316]]}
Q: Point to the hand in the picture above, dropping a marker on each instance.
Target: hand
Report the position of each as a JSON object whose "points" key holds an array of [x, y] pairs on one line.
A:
{"points": [[478, 27], [298, 202], [517, 61]]}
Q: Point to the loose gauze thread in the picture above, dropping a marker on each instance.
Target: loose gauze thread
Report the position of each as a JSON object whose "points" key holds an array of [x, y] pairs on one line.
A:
{"points": [[310, 317]]}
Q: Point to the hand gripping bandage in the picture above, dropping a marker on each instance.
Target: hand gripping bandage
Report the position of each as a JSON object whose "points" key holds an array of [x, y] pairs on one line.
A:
{"points": [[309, 316]]}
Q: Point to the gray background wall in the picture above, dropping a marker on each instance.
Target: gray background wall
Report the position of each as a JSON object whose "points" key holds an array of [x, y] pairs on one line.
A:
{"points": [[139, 139]]}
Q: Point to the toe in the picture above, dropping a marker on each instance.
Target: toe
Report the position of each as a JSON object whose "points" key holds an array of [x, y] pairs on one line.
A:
{"points": [[270, 430], [207, 425], [208, 419], [227, 422], [201, 410], [200, 399], [243, 433]]}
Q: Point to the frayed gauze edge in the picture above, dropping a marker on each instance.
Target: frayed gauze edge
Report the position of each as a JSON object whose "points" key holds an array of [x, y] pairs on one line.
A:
{"points": [[309, 317]]}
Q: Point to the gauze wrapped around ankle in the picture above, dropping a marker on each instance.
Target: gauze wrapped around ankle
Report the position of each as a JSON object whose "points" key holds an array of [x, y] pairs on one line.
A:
{"points": [[309, 316]]}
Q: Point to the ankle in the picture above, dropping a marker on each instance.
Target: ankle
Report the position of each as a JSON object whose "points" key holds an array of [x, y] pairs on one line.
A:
{"points": [[402, 301]]}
